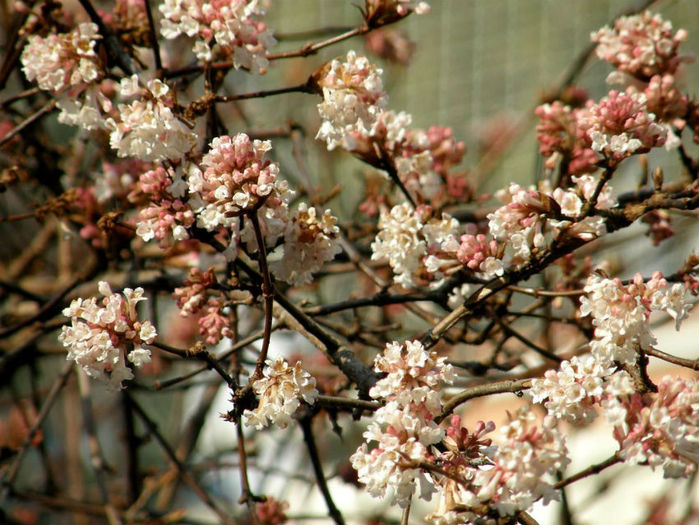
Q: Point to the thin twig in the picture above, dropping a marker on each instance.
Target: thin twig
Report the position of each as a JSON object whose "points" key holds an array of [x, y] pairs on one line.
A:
{"points": [[211, 361], [267, 295], [154, 40], [310, 441], [247, 496], [692, 364]]}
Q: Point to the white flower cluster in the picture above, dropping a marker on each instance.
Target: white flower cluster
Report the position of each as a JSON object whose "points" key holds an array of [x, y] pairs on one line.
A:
{"points": [[404, 428], [309, 242], [413, 375], [147, 128], [408, 238], [222, 27], [280, 392], [60, 61], [620, 313], [353, 97], [100, 336], [573, 391]]}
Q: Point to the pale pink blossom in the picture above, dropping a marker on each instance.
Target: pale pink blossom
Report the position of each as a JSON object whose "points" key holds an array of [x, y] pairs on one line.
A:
{"points": [[413, 375], [641, 45], [222, 29], [353, 97], [280, 392], [102, 336], [507, 475], [480, 255], [60, 61], [620, 313], [147, 128], [659, 430], [575, 391], [415, 243], [309, 242]]}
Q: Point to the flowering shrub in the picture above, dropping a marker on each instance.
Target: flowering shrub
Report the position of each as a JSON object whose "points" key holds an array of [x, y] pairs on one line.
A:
{"points": [[239, 269]]}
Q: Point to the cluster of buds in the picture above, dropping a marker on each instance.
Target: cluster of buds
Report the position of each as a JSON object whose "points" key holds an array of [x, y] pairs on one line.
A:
{"points": [[99, 337], [200, 296], [167, 216], [236, 179]]}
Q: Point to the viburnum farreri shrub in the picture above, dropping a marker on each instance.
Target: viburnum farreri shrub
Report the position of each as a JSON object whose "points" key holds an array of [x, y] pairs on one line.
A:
{"points": [[178, 252]]}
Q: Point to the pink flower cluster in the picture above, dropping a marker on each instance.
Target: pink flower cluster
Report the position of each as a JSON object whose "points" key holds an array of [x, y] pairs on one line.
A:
{"points": [[479, 254], [641, 45], [404, 428], [200, 296], [620, 313], [236, 179], [561, 138], [223, 28], [65, 60], [620, 125], [280, 392], [309, 242], [659, 430], [166, 217], [99, 337]]}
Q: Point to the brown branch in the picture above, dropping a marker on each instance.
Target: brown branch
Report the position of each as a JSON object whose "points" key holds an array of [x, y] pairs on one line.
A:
{"points": [[247, 496], [96, 456], [154, 40], [268, 297], [692, 364], [589, 471], [45, 109], [300, 88], [497, 387]]}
